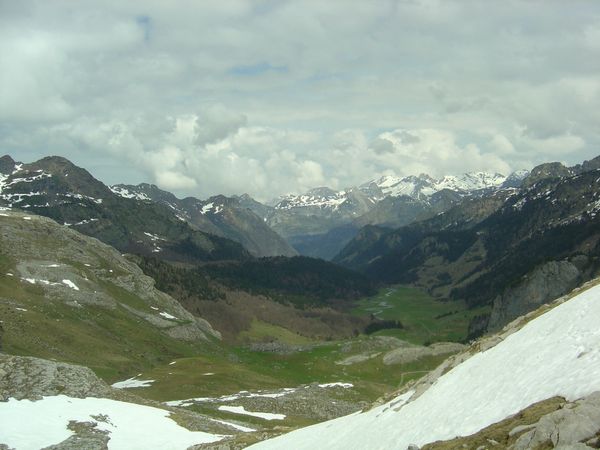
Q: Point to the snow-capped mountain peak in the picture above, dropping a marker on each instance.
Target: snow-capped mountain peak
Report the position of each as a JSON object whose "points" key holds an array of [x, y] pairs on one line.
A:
{"points": [[423, 186], [468, 182]]}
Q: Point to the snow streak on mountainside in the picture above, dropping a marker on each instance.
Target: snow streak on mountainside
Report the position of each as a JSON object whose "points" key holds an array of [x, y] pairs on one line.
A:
{"points": [[556, 354]]}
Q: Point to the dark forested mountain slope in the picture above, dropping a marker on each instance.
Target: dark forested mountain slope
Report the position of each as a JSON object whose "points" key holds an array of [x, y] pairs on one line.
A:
{"points": [[224, 216], [56, 188], [485, 247]]}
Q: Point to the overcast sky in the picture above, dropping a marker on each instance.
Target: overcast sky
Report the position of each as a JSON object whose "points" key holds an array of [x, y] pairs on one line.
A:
{"points": [[270, 97]]}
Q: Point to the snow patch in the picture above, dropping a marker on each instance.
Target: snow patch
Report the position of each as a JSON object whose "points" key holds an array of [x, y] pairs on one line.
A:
{"points": [[242, 410], [166, 315], [130, 426], [126, 193], [132, 383], [338, 384], [231, 397], [235, 426], [70, 284]]}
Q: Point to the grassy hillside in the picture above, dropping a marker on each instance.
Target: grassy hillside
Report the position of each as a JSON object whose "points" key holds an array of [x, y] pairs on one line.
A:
{"points": [[72, 298]]}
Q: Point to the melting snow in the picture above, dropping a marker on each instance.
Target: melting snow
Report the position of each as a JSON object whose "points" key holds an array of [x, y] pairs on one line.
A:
{"points": [[242, 410], [166, 315], [338, 384], [231, 397], [70, 284], [556, 354], [131, 426], [125, 193], [84, 222], [132, 383], [235, 426], [153, 237]]}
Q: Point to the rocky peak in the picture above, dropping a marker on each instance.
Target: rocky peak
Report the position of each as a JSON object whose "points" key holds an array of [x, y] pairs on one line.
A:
{"points": [[547, 170], [7, 164]]}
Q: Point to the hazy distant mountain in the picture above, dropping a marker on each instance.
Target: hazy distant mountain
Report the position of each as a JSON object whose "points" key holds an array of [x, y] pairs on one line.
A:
{"points": [[321, 221]]}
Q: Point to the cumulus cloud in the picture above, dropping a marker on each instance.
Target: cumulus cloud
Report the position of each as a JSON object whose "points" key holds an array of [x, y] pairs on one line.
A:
{"points": [[275, 97]]}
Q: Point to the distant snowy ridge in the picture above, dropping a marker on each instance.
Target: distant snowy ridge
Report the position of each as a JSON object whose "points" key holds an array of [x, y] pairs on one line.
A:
{"points": [[555, 354], [426, 186], [418, 187]]}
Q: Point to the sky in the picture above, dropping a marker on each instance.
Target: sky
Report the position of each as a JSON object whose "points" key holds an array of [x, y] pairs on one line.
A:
{"points": [[270, 97]]}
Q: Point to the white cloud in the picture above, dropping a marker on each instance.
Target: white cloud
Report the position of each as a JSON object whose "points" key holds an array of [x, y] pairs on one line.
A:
{"points": [[274, 97]]}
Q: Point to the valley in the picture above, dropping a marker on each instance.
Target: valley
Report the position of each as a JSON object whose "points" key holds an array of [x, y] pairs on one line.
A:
{"points": [[299, 225], [175, 311]]}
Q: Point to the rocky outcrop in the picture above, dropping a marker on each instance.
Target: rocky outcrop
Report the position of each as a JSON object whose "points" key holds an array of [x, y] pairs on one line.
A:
{"points": [[573, 426], [30, 378], [547, 170], [544, 284]]}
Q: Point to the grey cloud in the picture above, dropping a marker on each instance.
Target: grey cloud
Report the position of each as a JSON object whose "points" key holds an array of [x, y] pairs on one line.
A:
{"points": [[380, 146], [217, 123], [128, 80]]}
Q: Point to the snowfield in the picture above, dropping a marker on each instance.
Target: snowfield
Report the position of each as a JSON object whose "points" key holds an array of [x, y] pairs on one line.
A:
{"points": [[556, 354], [28, 425]]}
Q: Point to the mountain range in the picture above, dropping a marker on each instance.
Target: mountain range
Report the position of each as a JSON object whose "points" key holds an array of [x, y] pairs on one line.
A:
{"points": [[321, 221], [204, 310], [492, 250], [218, 215]]}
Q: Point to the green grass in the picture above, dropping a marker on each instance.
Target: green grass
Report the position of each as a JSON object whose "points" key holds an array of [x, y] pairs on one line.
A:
{"points": [[425, 319], [111, 341], [243, 369], [265, 332]]}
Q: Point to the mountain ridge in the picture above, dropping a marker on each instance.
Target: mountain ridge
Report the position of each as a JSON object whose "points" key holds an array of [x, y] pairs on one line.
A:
{"points": [[219, 215]]}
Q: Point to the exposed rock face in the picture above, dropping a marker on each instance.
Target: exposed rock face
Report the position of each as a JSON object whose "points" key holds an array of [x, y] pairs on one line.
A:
{"points": [[542, 285], [568, 427], [31, 378]]}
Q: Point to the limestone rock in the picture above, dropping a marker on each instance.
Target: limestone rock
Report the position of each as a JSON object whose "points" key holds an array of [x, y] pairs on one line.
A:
{"points": [[544, 284], [566, 427], [30, 378]]}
